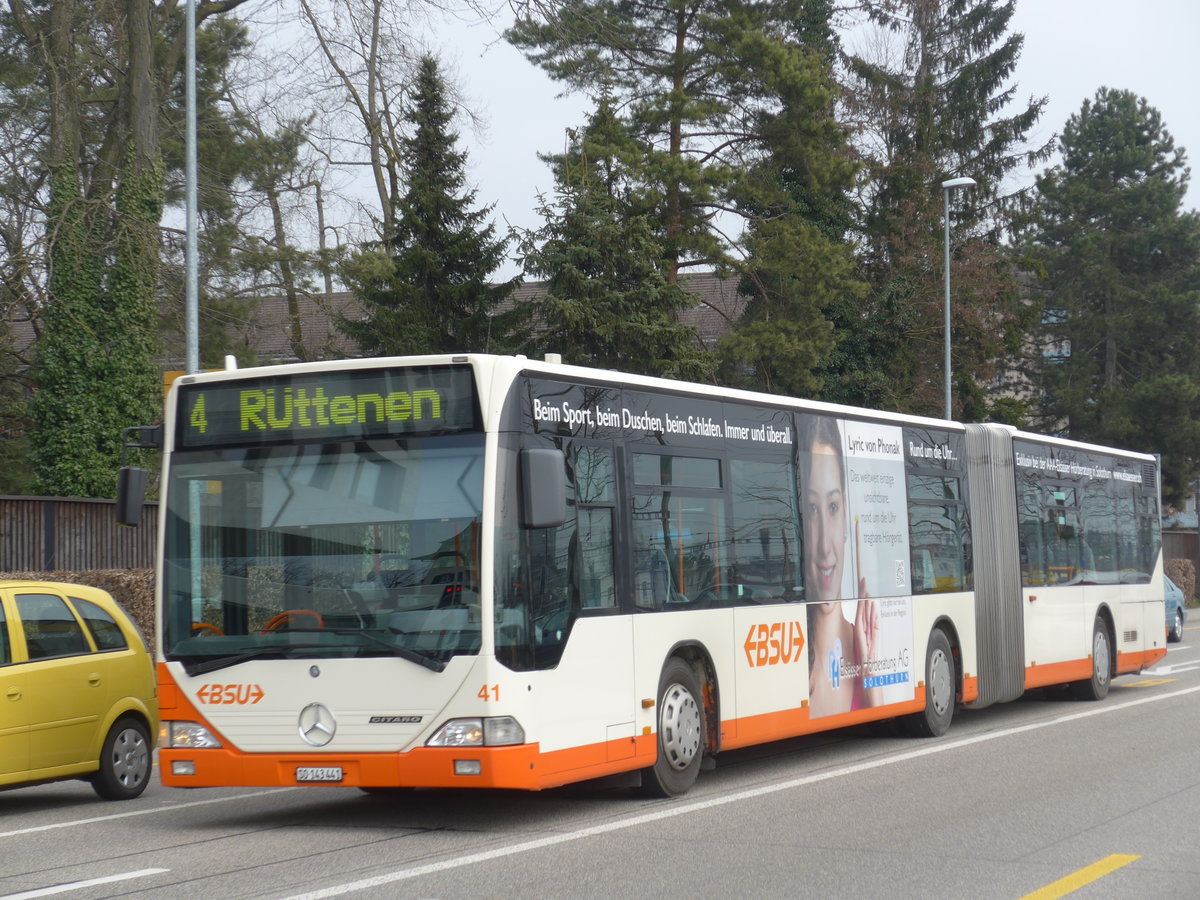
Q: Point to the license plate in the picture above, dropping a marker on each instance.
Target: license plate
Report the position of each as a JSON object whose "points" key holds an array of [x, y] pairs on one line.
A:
{"points": [[319, 773]]}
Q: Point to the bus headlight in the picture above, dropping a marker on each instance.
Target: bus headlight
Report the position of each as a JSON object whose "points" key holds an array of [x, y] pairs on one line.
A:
{"points": [[499, 731], [186, 736], [493, 731]]}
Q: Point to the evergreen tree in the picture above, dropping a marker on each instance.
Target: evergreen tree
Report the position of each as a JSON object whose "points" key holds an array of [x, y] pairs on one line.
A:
{"points": [[938, 113], [798, 264], [685, 76], [607, 299], [426, 289], [1121, 267]]}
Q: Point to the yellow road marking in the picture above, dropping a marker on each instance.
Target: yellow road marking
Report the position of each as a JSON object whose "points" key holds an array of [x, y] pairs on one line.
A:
{"points": [[1148, 682], [1084, 876]]}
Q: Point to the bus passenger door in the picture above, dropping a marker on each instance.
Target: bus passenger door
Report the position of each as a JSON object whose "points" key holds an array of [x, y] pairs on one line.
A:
{"points": [[608, 636], [679, 566], [576, 624]]}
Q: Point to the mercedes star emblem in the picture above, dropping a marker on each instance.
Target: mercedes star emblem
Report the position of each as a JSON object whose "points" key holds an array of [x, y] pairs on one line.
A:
{"points": [[317, 724]]}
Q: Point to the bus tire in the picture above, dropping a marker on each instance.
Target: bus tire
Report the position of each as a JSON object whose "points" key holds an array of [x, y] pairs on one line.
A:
{"points": [[681, 732], [940, 689], [125, 761], [1096, 687]]}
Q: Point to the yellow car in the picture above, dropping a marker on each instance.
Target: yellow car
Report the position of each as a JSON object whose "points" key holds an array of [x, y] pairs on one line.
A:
{"points": [[77, 690]]}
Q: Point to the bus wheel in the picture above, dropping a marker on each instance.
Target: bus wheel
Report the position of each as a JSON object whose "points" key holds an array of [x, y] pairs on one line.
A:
{"points": [[1096, 687], [124, 762], [934, 720], [680, 733]]}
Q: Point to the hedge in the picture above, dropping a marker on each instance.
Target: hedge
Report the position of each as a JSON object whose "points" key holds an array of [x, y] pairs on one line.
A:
{"points": [[1183, 573]]}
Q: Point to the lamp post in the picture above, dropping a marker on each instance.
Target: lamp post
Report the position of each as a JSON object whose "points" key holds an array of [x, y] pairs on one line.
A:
{"points": [[191, 293], [947, 187]]}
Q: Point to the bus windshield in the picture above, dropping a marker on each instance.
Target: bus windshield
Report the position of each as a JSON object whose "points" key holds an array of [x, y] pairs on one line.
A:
{"points": [[351, 549]]}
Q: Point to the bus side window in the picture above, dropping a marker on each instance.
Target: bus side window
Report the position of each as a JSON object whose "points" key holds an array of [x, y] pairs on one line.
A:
{"points": [[570, 566], [766, 547], [593, 571], [652, 586], [1034, 569], [550, 589], [1146, 538], [592, 568], [1064, 554], [939, 534]]}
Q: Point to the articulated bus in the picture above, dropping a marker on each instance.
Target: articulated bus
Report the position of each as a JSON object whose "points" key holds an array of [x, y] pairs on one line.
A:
{"points": [[481, 571]]}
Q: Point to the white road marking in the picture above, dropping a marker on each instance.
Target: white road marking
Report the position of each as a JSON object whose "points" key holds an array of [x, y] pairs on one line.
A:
{"points": [[78, 885], [138, 812], [672, 811], [1172, 669]]}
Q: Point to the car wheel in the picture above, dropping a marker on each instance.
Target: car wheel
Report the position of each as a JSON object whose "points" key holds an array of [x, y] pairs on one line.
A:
{"points": [[1176, 632], [124, 761]]}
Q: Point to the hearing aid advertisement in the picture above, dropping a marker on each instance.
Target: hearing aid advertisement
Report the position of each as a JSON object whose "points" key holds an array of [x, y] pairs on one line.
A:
{"points": [[856, 564]]}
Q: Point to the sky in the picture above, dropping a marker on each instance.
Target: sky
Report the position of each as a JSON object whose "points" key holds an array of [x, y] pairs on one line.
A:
{"points": [[1072, 48]]}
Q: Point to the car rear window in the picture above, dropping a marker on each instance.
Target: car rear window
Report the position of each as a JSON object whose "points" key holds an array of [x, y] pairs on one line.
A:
{"points": [[105, 631]]}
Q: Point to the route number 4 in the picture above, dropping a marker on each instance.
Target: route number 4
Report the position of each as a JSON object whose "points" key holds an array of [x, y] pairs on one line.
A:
{"points": [[199, 419]]}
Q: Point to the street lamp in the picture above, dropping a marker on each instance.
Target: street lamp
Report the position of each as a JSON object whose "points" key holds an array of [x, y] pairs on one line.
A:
{"points": [[191, 293], [947, 187]]}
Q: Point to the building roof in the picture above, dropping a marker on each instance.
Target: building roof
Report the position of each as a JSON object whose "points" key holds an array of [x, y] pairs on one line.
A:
{"points": [[266, 328]]}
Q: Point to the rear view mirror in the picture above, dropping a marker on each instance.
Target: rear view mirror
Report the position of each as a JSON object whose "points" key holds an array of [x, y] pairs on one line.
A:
{"points": [[543, 488], [131, 495], [131, 480]]}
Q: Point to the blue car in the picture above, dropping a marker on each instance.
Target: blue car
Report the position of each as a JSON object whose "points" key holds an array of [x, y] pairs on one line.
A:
{"points": [[1175, 609]]}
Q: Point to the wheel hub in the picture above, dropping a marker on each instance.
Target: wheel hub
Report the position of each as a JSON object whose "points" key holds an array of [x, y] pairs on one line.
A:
{"points": [[130, 758], [941, 685], [681, 726]]}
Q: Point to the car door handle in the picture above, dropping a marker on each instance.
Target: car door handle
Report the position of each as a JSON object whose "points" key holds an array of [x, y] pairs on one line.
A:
{"points": [[13, 693], [94, 679]]}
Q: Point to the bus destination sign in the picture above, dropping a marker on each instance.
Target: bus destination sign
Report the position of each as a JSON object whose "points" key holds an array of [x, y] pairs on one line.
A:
{"points": [[330, 406]]}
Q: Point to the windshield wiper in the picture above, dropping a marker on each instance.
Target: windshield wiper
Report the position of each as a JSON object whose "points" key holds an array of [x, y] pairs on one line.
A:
{"points": [[429, 662], [223, 662]]}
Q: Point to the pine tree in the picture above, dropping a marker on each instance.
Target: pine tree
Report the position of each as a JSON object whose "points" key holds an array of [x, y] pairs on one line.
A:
{"points": [[685, 76], [426, 289], [798, 263], [1122, 286], [937, 114], [607, 300]]}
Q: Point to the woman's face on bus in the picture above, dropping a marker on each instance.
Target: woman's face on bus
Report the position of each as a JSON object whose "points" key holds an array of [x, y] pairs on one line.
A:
{"points": [[825, 525]]}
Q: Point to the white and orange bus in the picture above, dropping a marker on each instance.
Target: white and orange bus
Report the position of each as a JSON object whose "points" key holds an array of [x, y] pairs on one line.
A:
{"points": [[481, 571]]}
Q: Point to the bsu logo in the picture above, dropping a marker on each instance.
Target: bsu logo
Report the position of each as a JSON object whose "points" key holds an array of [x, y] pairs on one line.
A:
{"points": [[772, 645], [235, 694]]}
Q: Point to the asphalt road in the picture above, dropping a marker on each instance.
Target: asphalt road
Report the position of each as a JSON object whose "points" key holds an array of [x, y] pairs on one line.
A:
{"points": [[1042, 794]]}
